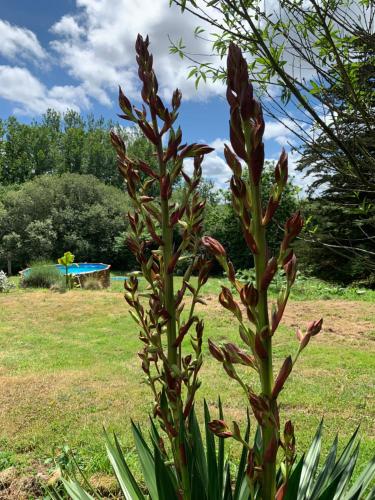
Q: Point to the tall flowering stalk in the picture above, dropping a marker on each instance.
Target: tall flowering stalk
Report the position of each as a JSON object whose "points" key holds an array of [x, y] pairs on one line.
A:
{"points": [[258, 325], [155, 221]]}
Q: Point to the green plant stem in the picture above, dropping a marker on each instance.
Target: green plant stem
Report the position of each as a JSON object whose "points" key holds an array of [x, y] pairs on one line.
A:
{"points": [[172, 355], [167, 236], [266, 369], [266, 366]]}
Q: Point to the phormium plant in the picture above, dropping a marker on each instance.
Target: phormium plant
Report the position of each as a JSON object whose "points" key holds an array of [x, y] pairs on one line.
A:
{"points": [[195, 471]]}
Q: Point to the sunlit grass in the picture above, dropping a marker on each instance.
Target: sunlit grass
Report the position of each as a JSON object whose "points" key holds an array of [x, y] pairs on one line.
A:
{"points": [[68, 365]]}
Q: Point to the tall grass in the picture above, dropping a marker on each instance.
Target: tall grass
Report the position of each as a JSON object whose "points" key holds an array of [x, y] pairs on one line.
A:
{"points": [[42, 274]]}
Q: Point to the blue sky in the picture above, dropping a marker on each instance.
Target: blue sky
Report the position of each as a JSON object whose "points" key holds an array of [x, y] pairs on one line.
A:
{"points": [[74, 53]]}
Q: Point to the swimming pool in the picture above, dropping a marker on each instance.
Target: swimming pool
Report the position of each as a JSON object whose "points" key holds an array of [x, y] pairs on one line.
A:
{"points": [[84, 270]]}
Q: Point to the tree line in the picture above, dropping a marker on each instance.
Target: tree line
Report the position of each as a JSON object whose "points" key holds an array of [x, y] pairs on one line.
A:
{"points": [[62, 143], [60, 189]]}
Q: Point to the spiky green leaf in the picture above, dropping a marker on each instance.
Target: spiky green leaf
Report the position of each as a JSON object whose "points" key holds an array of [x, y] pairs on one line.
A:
{"points": [[125, 478]]}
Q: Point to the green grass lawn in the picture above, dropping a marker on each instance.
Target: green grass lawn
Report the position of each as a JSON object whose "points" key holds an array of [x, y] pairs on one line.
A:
{"points": [[68, 365]]}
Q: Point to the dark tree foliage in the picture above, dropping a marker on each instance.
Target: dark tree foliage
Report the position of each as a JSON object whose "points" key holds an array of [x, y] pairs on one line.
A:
{"points": [[51, 214], [342, 208]]}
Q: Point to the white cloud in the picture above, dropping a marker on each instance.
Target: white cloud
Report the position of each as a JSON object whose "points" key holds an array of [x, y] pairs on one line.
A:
{"points": [[218, 144], [279, 131], [67, 26], [214, 168], [31, 96], [97, 46], [17, 42]]}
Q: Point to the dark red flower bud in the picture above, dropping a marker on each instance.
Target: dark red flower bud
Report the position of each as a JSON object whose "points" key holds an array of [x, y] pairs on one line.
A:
{"points": [[215, 350], [172, 263], [259, 406], [234, 354], [165, 187], [258, 127], [271, 450], [250, 241], [259, 347], [176, 99], [238, 187], [288, 430], [214, 246], [236, 135], [290, 269], [151, 229], [293, 227], [269, 273], [281, 492], [232, 161], [227, 301], [187, 359], [148, 132], [231, 272], [146, 199], [249, 295], [289, 441], [183, 330], [282, 376], [314, 327], [131, 285], [124, 102], [118, 143], [256, 163], [199, 327], [271, 209], [281, 170], [193, 150], [220, 428], [204, 272], [250, 468], [147, 169]]}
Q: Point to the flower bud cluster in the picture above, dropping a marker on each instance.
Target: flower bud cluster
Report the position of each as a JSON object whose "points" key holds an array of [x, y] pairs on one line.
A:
{"points": [[246, 137], [154, 223]]}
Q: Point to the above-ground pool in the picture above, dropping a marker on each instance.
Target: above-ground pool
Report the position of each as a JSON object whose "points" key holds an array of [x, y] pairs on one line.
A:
{"points": [[84, 270]]}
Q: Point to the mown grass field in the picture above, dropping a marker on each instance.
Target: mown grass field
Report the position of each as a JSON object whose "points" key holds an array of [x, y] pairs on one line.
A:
{"points": [[69, 365]]}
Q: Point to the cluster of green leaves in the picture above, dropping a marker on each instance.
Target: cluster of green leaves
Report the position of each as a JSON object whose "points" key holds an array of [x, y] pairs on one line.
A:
{"points": [[208, 466], [212, 473]]}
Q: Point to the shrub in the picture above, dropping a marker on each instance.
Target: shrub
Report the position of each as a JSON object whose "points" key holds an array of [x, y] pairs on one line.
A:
{"points": [[5, 284], [42, 275], [53, 213]]}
